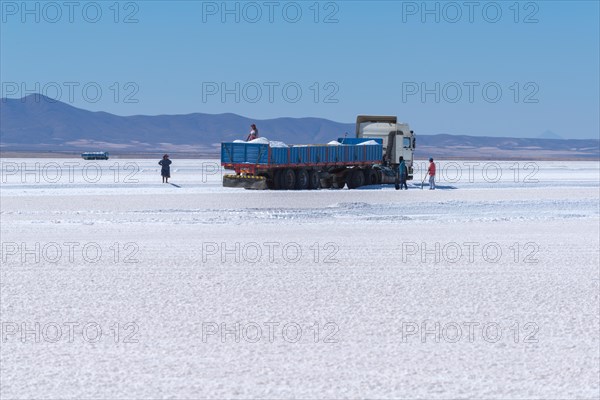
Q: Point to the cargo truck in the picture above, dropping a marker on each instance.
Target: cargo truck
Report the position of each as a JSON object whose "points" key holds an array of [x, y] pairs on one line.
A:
{"points": [[369, 158]]}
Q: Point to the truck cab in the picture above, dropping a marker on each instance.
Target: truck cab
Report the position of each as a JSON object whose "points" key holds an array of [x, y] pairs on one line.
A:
{"points": [[398, 139]]}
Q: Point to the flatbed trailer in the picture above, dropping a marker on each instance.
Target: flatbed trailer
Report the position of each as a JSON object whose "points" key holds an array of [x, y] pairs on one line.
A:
{"points": [[302, 167]]}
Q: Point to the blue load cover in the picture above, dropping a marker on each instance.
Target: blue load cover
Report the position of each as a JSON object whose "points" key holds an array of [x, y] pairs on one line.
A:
{"points": [[258, 154]]}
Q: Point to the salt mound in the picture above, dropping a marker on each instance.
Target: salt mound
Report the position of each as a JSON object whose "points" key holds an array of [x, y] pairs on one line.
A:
{"points": [[368, 143], [260, 140], [275, 143], [263, 140], [334, 143]]}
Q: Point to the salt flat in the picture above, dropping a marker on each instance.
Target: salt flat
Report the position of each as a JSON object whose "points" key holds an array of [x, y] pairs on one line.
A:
{"points": [[114, 285]]}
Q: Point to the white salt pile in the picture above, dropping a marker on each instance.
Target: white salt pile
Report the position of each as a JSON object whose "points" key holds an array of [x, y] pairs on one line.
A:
{"points": [[367, 143]]}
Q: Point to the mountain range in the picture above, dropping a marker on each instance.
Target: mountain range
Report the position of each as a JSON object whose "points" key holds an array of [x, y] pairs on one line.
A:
{"points": [[39, 124]]}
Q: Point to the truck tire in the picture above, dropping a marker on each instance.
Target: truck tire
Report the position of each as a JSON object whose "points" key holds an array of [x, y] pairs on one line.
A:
{"points": [[270, 182], [288, 179], [350, 180], [361, 176], [314, 182], [372, 177], [338, 182], [356, 179], [302, 179], [327, 183], [277, 183]]}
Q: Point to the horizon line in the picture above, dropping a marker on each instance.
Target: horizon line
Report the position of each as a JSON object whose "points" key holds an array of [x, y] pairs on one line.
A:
{"points": [[51, 100]]}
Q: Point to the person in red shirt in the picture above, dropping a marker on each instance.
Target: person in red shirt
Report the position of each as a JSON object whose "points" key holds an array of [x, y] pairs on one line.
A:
{"points": [[431, 172]]}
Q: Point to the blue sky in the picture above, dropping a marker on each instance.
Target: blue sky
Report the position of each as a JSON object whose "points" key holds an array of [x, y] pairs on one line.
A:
{"points": [[477, 68]]}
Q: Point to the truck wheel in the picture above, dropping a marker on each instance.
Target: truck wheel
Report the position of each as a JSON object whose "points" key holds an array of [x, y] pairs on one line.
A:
{"points": [[361, 178], [270, 182], [314, 182], [288, 179], [277, 184], [372, 177], [327, 183], [356, 179], [302, 179], [338, 183], [350, 179]]}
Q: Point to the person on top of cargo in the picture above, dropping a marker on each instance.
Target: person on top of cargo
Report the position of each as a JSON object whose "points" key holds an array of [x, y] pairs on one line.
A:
{"points": [[253, 133], [431, 172], [165, 171], [403, 171]]}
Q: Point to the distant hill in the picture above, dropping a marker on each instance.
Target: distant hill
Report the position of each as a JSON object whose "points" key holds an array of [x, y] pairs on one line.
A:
{"points": [[549, 135], [38, 124]]}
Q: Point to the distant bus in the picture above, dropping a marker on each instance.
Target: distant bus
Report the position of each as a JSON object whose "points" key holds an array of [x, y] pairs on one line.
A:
{"points": [[95, 155]]}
